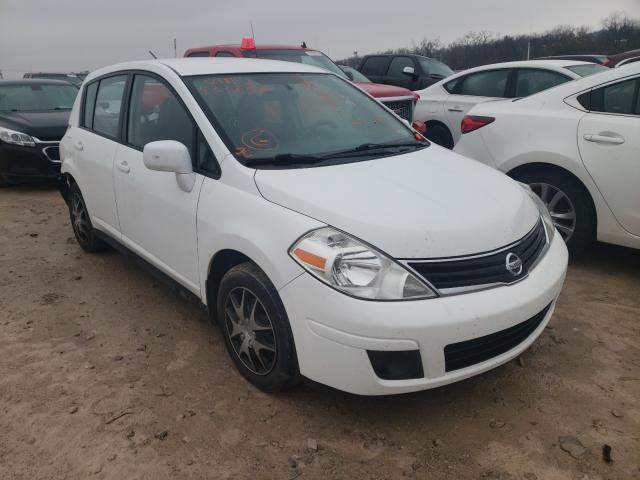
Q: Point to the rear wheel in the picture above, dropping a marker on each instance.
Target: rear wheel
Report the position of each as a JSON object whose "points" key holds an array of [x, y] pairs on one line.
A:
{"points": [[81, 223], [440, 134], [256, 329], [569, 204]]}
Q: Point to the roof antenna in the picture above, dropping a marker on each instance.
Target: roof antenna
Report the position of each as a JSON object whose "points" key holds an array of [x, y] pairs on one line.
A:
{"points": [[252, 34], [153, 54], [304, 44]]}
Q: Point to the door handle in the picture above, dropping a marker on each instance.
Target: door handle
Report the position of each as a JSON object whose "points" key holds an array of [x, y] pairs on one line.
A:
{"points": [[79, 145], [123, 167], [455, 109], [613, 140]]}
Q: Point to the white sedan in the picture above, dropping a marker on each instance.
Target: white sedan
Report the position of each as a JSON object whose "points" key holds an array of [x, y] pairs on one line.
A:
{"points": [[443, 105], [577, 146], [326, 237]]}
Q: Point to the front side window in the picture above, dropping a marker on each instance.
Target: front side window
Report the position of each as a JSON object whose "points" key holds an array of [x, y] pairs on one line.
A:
{"points": [[398, 64], [532, 80], [36, 97], [106, 116], [492, 83], [156, 114], [280, 119], [434, 67], [620, 98], [225, 54], [198, 54]]}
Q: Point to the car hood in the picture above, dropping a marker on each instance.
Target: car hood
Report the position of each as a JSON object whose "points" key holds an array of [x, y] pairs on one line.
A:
{"points": [[378, 90], [47, 126], [426, 204]]}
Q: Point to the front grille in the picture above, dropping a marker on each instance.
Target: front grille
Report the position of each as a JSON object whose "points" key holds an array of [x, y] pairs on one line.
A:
{"points": [[484, 270], [52, 153], [402, 108], [464, 354]]}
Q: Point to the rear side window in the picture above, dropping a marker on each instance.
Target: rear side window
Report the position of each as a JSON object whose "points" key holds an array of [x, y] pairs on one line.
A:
{"points": [[199, 54], [398, 64], [492, 83], [156, 114], [530, 81], [89, 103], [375, 66], [620, 98], [106, 116]]}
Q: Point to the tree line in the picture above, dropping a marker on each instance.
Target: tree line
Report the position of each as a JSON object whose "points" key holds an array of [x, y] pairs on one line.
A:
{"points": [[618, 33]]}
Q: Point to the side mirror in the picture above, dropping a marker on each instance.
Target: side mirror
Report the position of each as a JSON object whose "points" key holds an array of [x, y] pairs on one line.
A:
{"points": [[409, 71], [170, 156], [349, 75]]}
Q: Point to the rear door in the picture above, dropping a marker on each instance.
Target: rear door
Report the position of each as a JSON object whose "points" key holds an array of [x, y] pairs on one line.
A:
{"points": [[469, 90], [609, 142], [157, 217], [375, 67], [94, 145]]}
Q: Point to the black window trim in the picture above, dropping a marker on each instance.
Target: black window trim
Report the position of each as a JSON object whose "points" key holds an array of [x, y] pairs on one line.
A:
{"points": [[123, 119]]}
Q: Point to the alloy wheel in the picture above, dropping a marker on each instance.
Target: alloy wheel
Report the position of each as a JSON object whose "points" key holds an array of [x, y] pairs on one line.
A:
{"points": [[250, 331], [561, 209], [80, 218]]}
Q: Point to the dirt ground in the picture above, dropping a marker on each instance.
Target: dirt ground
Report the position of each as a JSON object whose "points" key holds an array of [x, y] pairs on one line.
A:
{"points": [[107, 374]]}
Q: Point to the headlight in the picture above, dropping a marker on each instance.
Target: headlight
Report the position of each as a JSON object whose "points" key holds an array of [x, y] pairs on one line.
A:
{"points": [[354, 268], [544, 211], [16, 138]]}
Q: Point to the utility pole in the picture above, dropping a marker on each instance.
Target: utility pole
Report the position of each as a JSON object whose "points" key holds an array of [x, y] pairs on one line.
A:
{"points": [[528, 49], [175, 48]]}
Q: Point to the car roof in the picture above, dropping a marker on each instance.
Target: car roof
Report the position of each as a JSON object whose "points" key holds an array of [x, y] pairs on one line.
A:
{"points": [[257, 47], [33, 81], [211, 66]]}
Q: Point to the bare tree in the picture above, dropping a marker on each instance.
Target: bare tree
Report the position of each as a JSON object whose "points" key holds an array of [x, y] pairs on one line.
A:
{"points": [[617, 27]]}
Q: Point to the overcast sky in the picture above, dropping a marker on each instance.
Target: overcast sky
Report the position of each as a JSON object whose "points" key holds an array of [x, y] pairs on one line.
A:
{"points": [[68, 35]]}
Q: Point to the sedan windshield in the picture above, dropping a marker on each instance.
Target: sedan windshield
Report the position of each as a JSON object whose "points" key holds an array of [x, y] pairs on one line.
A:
{"points": [[308, 57], [36, 97], [587, 69], [280, 120]]}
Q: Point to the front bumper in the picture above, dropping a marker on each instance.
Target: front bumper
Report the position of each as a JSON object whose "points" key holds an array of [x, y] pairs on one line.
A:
{"points": [[22, 163], [333, 331]]}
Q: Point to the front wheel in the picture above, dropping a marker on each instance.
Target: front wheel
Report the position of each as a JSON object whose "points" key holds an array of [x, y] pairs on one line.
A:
{"points": [[256, 329], [569, 204]]}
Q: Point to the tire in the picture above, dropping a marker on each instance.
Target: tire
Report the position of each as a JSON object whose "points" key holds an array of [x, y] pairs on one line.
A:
{"points": [[440, 134], [4, 183], [81, 223], [246, 289], [583, 232]]}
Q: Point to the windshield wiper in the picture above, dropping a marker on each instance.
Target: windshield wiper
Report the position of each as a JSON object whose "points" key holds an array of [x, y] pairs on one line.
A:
{"points": [[285, 159], [368, 148]]}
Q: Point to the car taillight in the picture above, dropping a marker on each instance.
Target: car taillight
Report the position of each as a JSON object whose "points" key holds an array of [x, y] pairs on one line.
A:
{"points": [[474, 122]]}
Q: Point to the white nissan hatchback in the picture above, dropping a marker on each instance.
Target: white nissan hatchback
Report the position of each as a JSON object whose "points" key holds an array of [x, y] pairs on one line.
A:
{"points": [[325, 236]]}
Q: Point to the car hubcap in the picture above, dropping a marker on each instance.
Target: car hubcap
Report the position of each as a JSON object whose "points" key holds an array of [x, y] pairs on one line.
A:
{"points": [[79, 218], [250, 331], [560, 208]]}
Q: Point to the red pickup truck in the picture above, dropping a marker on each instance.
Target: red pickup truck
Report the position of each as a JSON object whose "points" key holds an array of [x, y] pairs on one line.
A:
{"points": [[398, 99]]}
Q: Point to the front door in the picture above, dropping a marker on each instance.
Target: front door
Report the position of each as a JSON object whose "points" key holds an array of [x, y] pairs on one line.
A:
{"points": [[609, 142], [157, 217]]}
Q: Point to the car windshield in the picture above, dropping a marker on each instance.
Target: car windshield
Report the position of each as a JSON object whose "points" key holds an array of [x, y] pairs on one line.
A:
{"points": [[72, 79], [280, 120], [36, 97], [434, 67], [587, 69], [308, 57]]}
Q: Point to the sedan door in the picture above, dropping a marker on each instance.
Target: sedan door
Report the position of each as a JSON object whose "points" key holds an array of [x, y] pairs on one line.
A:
{"points": [[157, 217], [94, 146], [609, 142], [470, 90]]}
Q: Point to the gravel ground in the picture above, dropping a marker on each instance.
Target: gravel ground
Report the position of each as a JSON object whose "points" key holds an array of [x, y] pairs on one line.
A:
{"points": [[104, 373]]}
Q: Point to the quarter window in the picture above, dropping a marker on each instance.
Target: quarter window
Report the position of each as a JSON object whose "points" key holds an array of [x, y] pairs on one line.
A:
{"points": [[530, 81], [156, 114], [106, 117], [89, 102], [492, 83], [620, 98]]}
